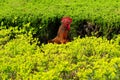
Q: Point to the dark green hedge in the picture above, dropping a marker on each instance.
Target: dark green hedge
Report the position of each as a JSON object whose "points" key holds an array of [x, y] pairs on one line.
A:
{"points": [[44, 16]]}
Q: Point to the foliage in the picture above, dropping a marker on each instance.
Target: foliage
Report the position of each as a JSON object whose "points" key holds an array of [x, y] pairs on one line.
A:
{"points": [[26, 24], [43, 15], [83, 59]]}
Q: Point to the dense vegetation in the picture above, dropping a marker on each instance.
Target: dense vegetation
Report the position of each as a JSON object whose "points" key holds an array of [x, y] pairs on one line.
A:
{"points": [[24, 25], [84, 59], [44, 16]]}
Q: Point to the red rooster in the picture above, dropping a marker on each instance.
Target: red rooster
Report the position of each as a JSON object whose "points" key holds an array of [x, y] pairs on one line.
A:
{"points": [[62, 35]]}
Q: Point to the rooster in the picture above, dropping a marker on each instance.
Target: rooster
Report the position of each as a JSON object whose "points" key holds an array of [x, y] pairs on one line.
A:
{"points": [[62, 34]]}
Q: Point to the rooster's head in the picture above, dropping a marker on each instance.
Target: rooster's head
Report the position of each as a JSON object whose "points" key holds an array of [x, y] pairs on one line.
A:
{"points": [[66, 21]]}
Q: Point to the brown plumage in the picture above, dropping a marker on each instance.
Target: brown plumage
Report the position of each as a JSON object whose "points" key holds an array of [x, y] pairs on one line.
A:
{"points": [[62, 35]]}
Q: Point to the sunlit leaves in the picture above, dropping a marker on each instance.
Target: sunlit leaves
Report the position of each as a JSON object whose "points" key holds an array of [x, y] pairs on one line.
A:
{"points": [[89, 58]]}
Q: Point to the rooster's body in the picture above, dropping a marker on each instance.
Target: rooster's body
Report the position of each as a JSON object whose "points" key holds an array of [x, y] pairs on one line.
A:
{"points": [[62, 35]]}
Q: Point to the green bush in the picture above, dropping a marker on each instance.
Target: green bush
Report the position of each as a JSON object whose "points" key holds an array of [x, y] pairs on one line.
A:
{"points": [[26, 24], [43, 14], [83, 59]]}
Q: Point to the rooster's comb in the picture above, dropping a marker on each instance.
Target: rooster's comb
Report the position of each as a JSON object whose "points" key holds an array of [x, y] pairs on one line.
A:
{"points": [[66, 19]]}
